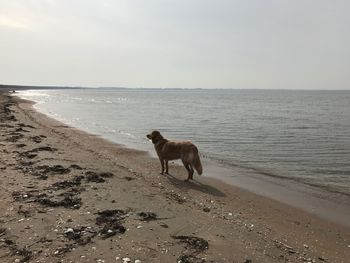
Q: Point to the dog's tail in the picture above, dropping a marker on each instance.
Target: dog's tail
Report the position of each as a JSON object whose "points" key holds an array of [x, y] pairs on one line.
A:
{"points": [[197, 162]]}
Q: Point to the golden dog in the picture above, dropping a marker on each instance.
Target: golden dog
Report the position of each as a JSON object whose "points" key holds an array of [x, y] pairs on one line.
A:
{"points": [[171, 150]]}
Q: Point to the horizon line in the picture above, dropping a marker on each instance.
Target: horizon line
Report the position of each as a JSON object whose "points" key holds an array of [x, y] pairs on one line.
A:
{"points": [[12, 86]]}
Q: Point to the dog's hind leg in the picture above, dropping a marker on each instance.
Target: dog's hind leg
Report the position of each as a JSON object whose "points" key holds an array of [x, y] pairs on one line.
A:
{"points": [[189, 170]]}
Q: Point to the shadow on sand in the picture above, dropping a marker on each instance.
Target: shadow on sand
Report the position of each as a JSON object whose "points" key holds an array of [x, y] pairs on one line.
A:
{"points": [[194, 185]]}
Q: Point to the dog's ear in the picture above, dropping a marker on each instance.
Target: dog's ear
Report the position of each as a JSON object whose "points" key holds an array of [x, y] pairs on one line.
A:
{"points": [[155, 134]]}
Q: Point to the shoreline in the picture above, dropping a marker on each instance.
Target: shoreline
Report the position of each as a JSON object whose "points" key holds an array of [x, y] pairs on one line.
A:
{"points": [[238, 225], [316, 200], [334, 207]]}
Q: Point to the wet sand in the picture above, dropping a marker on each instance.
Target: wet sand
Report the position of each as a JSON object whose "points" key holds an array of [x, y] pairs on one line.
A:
{"points": [[332, 206], [68, 196]]}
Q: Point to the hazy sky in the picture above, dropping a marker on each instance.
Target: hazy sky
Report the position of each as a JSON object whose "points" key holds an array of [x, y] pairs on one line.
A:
{"points": [[294, 44]]}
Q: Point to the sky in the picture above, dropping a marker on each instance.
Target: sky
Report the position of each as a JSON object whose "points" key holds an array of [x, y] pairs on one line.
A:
{"points": [[238, 44]]}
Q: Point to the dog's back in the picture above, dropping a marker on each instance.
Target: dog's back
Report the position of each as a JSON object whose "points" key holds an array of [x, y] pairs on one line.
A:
{"points": [[173, 150]]}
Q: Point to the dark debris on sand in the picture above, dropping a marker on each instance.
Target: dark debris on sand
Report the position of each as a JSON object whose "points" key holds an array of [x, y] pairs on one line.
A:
{"points": [[190, 259], [147, 216], [76, 181], [37, 139], [75, 166], [110, 222], [24, 196], [67, 199], [5, 113], [43, 171], [112, 229], [24, 212], [193, 246], [176, 197], [97, 177], [94, 177], [43, 149], [63, 250], [106, 174], [28, 155], [15, 137], [81, 236], [22, 125], [24, 253], [106, 216], [2, 231], [194, 243], [20, 130], [128, 178], [55, 169]]}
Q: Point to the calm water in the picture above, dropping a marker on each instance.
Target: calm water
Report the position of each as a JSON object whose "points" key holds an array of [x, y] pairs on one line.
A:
{"points": [[301, 135]]}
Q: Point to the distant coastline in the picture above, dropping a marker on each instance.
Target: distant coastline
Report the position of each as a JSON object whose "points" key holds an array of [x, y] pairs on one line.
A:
{"points": [[5, 87]]}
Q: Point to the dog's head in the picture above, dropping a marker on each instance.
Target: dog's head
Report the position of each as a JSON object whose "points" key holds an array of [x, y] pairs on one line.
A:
{"points": [[155, 136]]}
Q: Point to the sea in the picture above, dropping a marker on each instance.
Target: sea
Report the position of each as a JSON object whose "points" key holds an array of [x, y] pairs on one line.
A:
{"points": [[292, 135]]}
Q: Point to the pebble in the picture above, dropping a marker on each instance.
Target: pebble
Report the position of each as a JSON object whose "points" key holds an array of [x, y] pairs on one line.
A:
{"points": [[164, 225], [206, 209], [138, 227], [137, 261], [125, 260], [69, 230], [230, 214]]}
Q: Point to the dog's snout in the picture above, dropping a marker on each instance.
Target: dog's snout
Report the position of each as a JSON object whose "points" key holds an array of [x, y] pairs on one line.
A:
{"points": [[148, 136]]}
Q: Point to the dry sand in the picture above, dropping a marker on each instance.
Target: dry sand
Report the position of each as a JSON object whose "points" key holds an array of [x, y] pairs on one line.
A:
{"points": [[67, 196]]}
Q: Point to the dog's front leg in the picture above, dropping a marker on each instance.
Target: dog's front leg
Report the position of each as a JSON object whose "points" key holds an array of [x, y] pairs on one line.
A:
{"points": [[162, 164], [166, 167]]}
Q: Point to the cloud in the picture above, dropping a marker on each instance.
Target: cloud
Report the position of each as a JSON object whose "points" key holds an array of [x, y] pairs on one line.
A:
{"points": [[169, 43], [13, 22]]}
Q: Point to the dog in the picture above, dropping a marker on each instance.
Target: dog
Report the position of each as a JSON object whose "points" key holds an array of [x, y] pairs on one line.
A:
{"points": [[172, 150]]}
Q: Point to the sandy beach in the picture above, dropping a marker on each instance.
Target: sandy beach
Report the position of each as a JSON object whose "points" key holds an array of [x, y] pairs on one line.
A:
{"points": [[69, 196]]}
